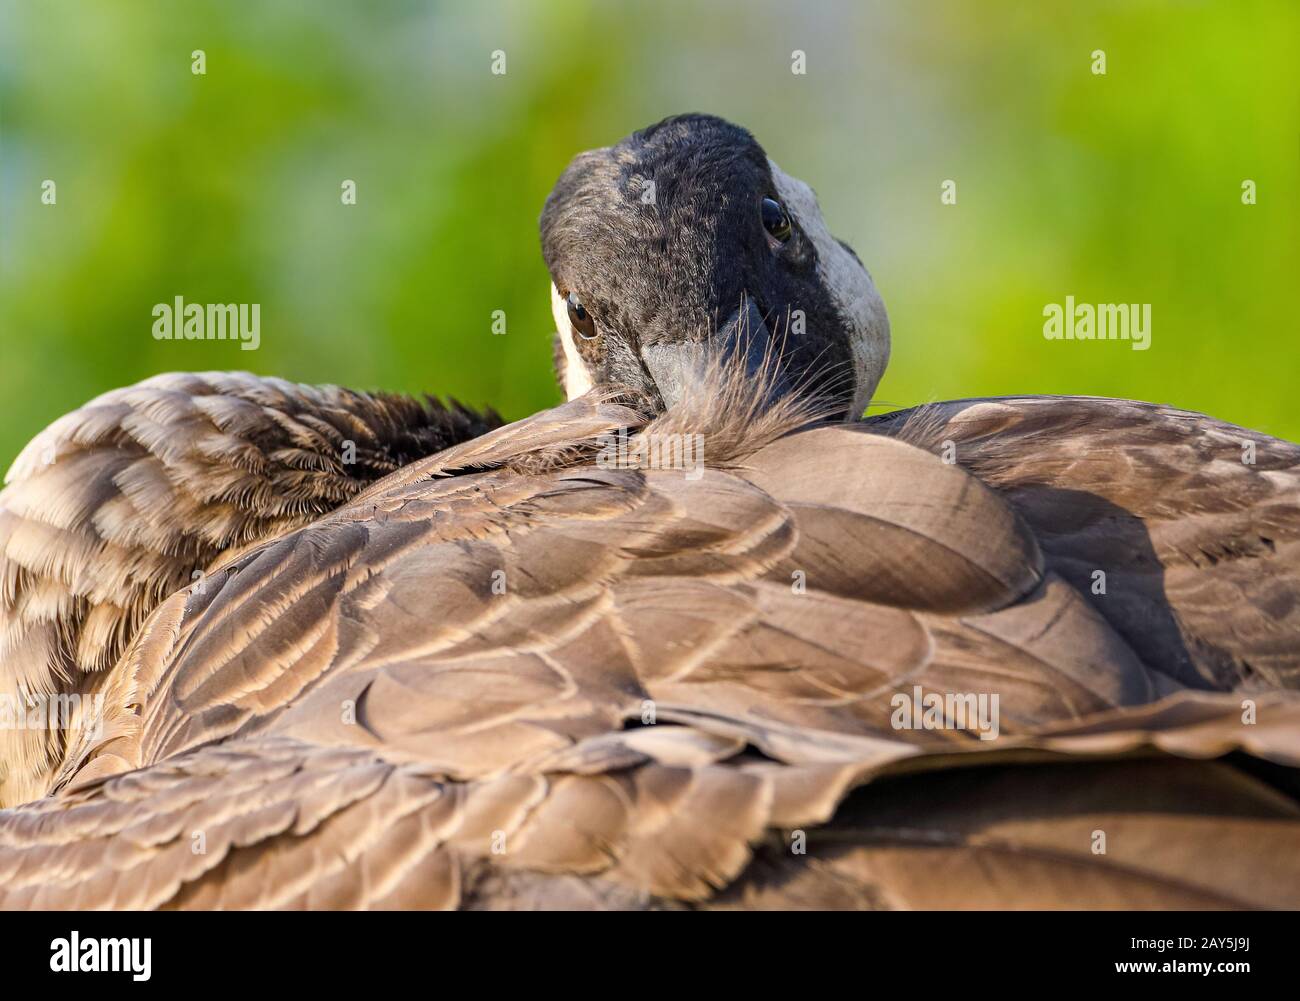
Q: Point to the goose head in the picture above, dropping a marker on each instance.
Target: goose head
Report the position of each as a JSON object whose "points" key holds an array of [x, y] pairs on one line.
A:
{"points": [[685, 241]]}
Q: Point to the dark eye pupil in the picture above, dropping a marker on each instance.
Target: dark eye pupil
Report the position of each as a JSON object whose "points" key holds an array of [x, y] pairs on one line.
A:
{"points": [[581, 320], [775, 221]]}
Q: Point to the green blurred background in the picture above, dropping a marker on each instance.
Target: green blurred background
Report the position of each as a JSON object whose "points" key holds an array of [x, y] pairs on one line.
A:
{"points": [[225, 187]]}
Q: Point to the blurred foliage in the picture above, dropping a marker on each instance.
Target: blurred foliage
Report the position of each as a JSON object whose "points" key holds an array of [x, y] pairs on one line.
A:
{"points": [[225, 187]]}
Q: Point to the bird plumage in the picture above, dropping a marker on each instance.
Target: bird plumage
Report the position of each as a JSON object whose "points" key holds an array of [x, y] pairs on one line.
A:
{"points": [[351, 714], [125, 500]]}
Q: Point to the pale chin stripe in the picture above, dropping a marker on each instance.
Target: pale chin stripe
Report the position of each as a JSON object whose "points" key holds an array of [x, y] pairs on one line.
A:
{"points": [[851, 288], [577, 380]]}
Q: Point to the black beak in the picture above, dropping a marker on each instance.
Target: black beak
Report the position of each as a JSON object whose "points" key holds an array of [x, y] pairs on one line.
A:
{"points": [[743, 340]]}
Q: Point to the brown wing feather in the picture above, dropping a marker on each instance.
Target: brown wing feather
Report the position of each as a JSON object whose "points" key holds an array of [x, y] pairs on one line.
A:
{"points": [[1194, 522], [117, 504]]}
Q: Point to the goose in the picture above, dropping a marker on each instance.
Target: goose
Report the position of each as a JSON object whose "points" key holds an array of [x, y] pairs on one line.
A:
{"points": [[317, 648]]}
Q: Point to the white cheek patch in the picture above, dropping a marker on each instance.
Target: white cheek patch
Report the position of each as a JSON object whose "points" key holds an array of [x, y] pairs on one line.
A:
{"points": [[577, 379], [851, 289]]}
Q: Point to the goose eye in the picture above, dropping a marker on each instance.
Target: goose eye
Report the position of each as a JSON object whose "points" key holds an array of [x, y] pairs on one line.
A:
{"points": [[582, 322], [775, 221]]}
